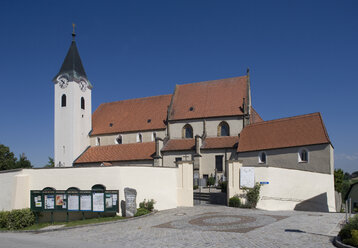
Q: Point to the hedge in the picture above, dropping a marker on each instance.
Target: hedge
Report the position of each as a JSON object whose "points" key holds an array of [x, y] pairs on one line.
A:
{"points": [[16, 219]]}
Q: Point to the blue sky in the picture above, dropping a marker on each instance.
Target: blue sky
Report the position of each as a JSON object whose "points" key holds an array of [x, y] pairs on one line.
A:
{"points": [[302, 56]]}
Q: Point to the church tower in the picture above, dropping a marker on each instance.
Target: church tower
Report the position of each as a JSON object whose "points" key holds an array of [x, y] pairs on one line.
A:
{"points": [[73, 109]]}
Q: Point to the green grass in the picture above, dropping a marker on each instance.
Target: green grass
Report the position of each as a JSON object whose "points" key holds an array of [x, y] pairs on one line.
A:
{"points": [[93, 221]]}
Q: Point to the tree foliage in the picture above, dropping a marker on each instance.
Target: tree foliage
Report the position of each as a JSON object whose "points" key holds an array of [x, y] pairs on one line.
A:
{"points": [[7, 158], [8, 161], [50, 163], [338, 179], [23, 162]]}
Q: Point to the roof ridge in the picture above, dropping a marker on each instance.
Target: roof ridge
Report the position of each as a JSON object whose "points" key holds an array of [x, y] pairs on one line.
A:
{"points": [[132, 99], [220, 137], [127, 144], [201, 82], [285, 119]]}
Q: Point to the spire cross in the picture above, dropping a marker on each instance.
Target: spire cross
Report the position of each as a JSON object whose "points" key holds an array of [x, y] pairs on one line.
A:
{"points": [[73, 32]]}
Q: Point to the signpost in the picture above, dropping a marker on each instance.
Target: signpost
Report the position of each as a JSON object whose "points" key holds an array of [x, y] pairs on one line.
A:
{"points": [[74, 200]]}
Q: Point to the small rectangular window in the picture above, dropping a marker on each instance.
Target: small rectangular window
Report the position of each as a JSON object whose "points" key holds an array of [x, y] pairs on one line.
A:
{"points": [[178, 159]]}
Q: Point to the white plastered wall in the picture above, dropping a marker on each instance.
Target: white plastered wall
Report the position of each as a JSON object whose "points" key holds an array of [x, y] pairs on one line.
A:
{"points": [[287, 189], [158, 183], [7, 192], [211, 126], [127, 138]]}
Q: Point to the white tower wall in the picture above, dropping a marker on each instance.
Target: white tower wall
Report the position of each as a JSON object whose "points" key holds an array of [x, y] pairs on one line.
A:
{"points": [[72, 124]]}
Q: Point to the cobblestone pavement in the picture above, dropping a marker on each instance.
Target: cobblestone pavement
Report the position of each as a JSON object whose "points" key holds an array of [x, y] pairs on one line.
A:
{"points": [[200, 226]]}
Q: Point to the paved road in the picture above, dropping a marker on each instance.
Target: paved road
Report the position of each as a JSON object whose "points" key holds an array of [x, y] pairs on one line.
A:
{"points": [[200, 226]]}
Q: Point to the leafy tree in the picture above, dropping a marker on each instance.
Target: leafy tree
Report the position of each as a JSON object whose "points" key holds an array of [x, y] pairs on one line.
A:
{"points": [[338, 179], [50, 163], [7, 158], [345, 187], [347, 176], [23, 162], [8, 161]]}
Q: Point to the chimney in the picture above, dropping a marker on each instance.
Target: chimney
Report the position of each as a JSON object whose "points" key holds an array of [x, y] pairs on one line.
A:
{"points": [[158, 147], [198, 143]]}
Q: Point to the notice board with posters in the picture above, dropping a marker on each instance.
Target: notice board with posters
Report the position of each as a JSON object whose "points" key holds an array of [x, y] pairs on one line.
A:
{"points": [[247, 177], [73, 199]]}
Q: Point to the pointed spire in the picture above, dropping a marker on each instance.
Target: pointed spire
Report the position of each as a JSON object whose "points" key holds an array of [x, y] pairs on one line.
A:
{"points": [[72, 65]]}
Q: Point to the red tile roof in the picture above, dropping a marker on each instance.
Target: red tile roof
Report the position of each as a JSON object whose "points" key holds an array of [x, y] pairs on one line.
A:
{"points": [[220, 142], [122, 152], [281, 133], [179, 145], [255, 117], [139, 114], [209, 99]]}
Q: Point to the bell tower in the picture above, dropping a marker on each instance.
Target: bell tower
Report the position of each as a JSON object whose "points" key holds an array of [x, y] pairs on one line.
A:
{"points": [[73, 108]]}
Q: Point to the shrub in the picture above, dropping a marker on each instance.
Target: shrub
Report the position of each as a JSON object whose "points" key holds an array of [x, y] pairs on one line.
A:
{"points": [[234, 201], [223, 186], [149, 205], [141, 211], [353, 241], [253, 195], [17, 219], [349, 233], [211, 180], [4, 219]]}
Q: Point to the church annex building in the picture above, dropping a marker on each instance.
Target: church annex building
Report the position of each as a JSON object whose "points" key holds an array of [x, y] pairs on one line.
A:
{"points": [[183, 136]]}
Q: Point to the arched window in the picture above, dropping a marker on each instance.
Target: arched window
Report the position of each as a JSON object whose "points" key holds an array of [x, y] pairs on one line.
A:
{"points": [[187, 131], [262, 158], [303, 155], [82, 103], [119, 139], [139, 138], [154, 136], [98, 141], [223, 129], [63, 100]]}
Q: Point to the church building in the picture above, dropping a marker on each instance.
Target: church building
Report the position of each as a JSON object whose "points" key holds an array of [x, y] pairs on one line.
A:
{"points": [[209, 123], [163, 147]]}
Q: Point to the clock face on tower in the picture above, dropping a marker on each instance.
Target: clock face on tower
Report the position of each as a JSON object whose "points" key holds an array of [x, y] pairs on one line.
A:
{"points": [[63, 82], [83, 85]]}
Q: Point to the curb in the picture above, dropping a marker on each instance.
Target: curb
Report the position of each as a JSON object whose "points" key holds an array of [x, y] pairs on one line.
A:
{"points": [[80, 226], [337, 242]]}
